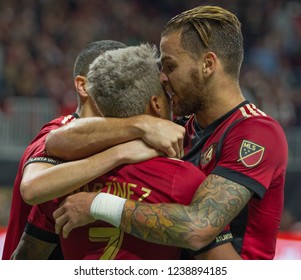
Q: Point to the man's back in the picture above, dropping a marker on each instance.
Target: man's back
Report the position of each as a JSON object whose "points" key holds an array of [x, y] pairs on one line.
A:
{"points": [[156, 180]]}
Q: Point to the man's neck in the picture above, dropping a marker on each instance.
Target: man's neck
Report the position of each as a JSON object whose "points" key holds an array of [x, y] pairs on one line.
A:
{"points": [[218, 109], [86, 111]]}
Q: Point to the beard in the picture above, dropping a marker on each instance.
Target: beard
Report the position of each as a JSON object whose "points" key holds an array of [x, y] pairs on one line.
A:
{"points": [[193, 97]]}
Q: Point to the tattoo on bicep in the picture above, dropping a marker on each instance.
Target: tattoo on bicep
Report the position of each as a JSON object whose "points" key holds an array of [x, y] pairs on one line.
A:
{"points": [[219, 200], [216, 202]]}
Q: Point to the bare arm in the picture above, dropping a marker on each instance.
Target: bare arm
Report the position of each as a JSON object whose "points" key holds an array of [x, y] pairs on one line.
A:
{"points": [[42, 181], [215, 204], [88, 136], [30, 248]]}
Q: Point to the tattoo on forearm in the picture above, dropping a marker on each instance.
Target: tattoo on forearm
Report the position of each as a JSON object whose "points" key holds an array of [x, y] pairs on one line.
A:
{"points": [[216, 202]]}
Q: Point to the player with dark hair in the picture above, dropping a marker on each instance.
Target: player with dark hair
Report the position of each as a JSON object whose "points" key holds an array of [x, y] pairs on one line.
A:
{"points": [[36, 150], [226, 136]]}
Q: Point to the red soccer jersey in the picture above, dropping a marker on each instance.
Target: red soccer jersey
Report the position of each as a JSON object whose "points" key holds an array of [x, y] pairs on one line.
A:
{"points": [[250, 148], [19, 209], [153, 181]]}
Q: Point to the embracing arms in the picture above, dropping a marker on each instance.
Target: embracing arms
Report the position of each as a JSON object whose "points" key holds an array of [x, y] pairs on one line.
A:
{"points": [[87, 136], [42, 181], [81, 138], [215, 204]]}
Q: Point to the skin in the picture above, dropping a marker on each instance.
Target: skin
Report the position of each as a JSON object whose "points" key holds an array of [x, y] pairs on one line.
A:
{"points": [[216, 93], [218, 200], [67, 176], [28, 242], [70, 142], [31, 248], [162, 134], [43, 182], [215, 204]]}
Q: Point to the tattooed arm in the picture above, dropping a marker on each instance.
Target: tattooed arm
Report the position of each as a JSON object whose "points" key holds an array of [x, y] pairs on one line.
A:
{"points": [[30, 248], [214, 205]]}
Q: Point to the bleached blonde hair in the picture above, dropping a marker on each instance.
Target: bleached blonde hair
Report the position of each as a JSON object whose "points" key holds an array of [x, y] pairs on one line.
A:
{"points": [[122, 81]]}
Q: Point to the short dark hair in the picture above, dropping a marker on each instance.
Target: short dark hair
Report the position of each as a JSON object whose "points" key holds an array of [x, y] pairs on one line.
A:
{"points": [[92, 51]]}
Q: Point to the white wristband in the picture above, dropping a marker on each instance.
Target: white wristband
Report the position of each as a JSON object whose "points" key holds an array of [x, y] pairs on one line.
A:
{"points": [[108, 208]]}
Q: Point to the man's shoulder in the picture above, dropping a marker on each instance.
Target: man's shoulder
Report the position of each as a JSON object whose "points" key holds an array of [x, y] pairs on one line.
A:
{"points": [[60, 121], [38, 141]]}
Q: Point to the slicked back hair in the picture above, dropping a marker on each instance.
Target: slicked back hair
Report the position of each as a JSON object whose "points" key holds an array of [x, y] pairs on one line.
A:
{"points": [[90, 52], [210, 28], [122, 81]]}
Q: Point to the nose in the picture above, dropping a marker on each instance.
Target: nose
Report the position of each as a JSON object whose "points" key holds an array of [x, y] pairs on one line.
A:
{"points": [[163, 79]]}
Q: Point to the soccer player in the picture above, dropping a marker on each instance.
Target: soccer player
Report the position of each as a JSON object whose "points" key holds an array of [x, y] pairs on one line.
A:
{"points": [[122, 83], [226, 136], [35, 151]]}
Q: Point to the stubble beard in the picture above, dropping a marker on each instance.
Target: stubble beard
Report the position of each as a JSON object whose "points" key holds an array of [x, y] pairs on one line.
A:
{"points": [[193, 98]]}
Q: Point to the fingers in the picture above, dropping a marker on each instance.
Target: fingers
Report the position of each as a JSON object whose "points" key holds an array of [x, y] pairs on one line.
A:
{"points": [[170, 152], [63, 223], [178, 147], [165, 136], [73, 212], [178, 144], [68, 227], [60, 219], [182, 153], [57, 215], [175, 149], [58, 212], [181, 147]]}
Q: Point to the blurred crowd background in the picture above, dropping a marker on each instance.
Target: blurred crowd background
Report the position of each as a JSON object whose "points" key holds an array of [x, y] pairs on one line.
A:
{"points": [[39, 41]]}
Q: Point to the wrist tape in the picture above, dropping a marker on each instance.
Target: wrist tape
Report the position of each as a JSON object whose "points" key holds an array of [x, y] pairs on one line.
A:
{"points": [[108, 208]]}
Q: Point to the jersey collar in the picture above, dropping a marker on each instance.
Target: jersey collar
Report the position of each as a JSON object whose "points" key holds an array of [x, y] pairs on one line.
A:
{"points": [[211, 127]]}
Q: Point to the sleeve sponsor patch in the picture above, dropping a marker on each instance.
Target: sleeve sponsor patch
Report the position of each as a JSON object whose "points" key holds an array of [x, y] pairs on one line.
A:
{"points": [[52, 161], [250, 153]]}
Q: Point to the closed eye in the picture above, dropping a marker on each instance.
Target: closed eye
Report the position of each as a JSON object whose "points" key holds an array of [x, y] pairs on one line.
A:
{"points": [[168, 67]]}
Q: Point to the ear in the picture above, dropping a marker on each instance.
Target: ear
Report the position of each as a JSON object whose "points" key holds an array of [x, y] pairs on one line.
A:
{"points": [[155, 106], [209, 63], [80, 85]]}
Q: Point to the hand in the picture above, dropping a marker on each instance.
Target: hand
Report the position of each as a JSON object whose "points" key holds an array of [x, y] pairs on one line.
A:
{"points": [[73, 212], [163, 135]]}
